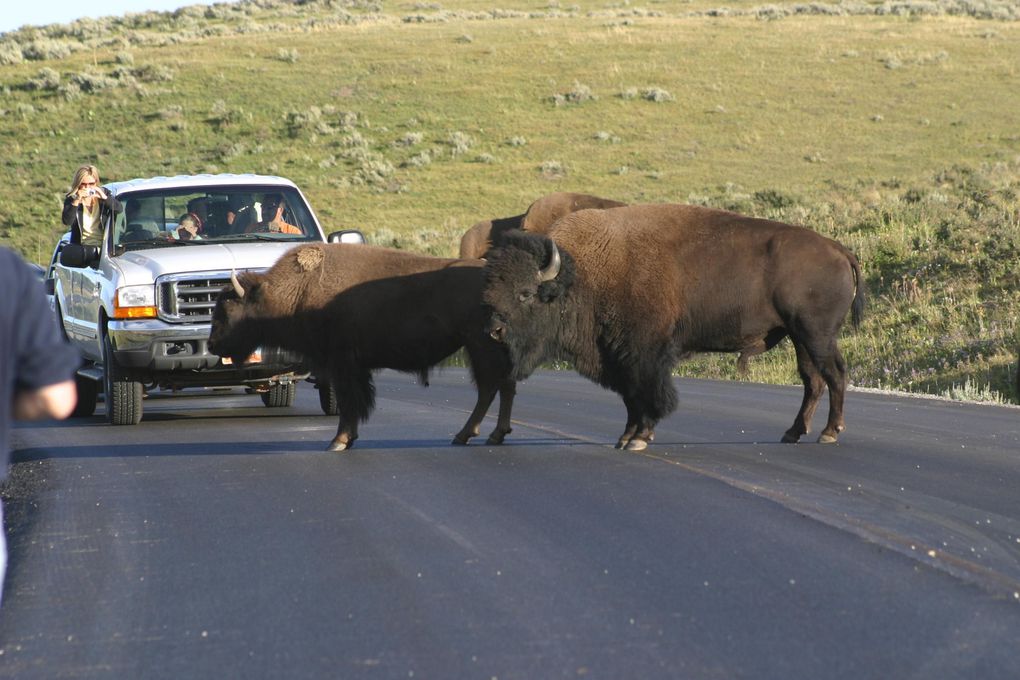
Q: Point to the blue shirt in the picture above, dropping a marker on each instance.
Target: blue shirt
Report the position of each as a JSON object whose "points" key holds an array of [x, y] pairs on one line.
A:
{"points": [[33, 352]]}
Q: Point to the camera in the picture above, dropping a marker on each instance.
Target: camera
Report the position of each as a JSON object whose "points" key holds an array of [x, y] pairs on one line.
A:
{"points": [[91, 192]]}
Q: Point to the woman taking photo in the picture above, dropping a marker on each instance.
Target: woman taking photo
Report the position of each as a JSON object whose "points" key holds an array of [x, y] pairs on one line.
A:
{"points": [[84, 207]]}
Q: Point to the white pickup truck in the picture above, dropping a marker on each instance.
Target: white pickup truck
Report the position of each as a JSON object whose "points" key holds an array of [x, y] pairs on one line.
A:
{"points": [[139, 306]]}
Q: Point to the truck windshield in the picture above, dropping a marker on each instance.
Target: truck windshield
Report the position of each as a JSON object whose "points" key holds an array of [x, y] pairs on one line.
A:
{"points": [[153, 219]]}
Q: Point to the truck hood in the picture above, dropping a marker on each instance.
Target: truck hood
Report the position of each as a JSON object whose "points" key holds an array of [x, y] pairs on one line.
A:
{"points": [[144, 266]]}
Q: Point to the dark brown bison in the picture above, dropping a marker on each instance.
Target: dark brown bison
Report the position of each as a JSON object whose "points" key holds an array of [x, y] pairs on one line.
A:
{"points": [[539, 217], [625, 293], [350, 309]]}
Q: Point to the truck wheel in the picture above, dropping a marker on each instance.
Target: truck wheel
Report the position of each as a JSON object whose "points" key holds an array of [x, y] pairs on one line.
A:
{"points": [[88, 394], [280, 396], [123, 396], [327, 398]]}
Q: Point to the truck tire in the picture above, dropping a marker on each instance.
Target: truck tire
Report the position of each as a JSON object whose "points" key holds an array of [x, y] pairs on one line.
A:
{"points": [[327, 398], [88, 395], [280, 396], [123, 396]]}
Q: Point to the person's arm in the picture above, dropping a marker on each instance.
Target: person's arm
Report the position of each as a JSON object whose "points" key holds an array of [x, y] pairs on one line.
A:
{"points": [[53, 401], [70, 207], [44, 362]]}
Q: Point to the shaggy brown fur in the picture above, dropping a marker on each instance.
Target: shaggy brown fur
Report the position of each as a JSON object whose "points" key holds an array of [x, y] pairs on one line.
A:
{"points": [[643, 286], [351, 309], [537, 219]]}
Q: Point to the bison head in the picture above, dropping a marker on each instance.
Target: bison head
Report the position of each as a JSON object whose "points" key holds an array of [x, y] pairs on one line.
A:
{"points": [[526, 281], [230, 337]]}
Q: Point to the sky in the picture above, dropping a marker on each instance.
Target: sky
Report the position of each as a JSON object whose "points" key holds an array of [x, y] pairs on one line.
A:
{"points": [[40, 12]]}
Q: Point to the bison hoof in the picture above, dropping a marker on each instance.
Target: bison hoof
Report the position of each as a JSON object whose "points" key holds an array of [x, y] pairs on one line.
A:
{"points": [[496, 438], [827, 438], [790, 438], [338, 445], [459, 441], [636, 445]]}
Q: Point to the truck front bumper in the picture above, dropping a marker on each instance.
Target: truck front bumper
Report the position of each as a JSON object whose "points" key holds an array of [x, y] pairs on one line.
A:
{"points": [[156, 347]]}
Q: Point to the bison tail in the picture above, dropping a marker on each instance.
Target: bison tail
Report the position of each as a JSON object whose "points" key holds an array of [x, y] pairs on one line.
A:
{"points": [[860, 294]]}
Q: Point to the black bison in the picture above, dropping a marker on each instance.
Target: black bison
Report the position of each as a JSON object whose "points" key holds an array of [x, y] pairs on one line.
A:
{"points": [[540, 215], [627, 292], [350, 309]]}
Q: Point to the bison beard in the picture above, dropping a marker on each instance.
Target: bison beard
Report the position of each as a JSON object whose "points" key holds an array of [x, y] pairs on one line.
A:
{"points": [[351, 309], [641, 287]]}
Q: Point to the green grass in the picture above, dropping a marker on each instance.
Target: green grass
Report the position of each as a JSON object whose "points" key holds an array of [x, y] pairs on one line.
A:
{"points": [[894, 134]]}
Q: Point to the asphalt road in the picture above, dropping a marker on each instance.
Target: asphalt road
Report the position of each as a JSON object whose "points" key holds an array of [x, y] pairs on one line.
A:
{"points": [[218, 540]]}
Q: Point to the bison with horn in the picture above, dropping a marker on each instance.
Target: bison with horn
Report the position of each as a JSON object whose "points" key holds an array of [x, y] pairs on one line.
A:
{"points": [[350, 309], [625, 293]]}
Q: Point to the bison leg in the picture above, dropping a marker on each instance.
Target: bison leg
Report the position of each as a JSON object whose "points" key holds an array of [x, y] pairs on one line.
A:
{"points": [[356, 399], [489, 370], [471, 427], [813, 387], [818, 369], [507, 392], [654, 399], [833, 370]]}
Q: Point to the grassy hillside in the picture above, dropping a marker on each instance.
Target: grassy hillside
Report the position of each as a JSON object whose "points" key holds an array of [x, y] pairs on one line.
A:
{"points": [[889, 126]]}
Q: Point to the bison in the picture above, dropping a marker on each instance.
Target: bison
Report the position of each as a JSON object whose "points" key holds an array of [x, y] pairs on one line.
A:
{"points": [[350, 309], [539, 217], [625, 293]]}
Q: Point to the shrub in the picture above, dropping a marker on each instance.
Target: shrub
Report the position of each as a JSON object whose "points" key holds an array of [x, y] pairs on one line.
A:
{"points": [[45, 79], [70, 92], [459, 143], [409, 139], [154, 73], [221, 115], [604, 136], [552, 170], [655, 94], [91, 83], [297, 122], [10, 53], [419, 160], [771, 198], [40, 50], [578, 94]]}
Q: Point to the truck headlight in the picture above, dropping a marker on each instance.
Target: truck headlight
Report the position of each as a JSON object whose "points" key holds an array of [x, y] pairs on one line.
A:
{"points": [[135, 302]]}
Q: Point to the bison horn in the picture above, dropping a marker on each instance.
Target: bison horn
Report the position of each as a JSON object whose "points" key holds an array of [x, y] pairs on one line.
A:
{"points": [[553, 268], [238, 288]]}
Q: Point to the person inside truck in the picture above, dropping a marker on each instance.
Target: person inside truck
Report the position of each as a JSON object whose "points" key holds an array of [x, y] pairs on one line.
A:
{"points": [[239, 214], [273, 207], [86, 207], [188, 228]]}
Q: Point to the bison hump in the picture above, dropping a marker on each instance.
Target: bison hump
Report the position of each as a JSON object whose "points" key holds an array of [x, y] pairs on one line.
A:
{"points": [[310, 259]]}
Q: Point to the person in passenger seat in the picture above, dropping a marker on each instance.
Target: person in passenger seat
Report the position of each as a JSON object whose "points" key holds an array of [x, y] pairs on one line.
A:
{"points": [[188, 228]]}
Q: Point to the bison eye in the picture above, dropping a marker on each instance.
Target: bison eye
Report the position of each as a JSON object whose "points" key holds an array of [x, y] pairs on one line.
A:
{"points": [[526, 295]]}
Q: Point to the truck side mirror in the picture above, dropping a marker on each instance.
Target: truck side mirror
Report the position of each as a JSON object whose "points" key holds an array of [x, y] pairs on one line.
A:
{"points": [[77, 255], [346, 236]]}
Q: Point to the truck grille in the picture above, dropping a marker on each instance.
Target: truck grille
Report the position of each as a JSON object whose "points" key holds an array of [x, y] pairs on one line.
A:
{"points": [[189, 298]]}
